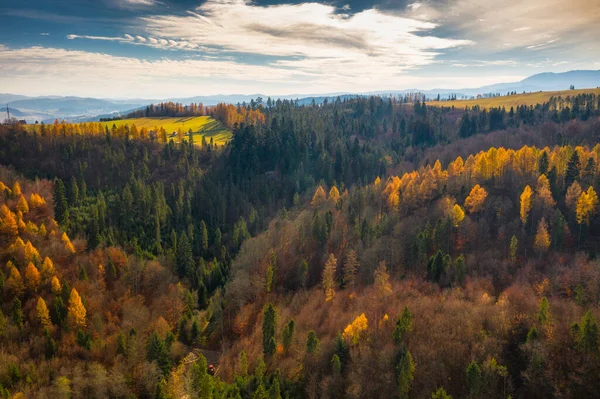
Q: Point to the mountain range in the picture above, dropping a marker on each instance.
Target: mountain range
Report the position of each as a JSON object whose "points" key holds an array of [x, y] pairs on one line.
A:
{"points": [[47, 108]]}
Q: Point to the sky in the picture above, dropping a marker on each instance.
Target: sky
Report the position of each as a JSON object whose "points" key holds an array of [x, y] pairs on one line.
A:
{"points": [[167, 48]]}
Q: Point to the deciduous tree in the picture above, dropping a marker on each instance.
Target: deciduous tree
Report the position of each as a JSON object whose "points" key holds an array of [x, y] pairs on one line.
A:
{"points": [[475, 200]]}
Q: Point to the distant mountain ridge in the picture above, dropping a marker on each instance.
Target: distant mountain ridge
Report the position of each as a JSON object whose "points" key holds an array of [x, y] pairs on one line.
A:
{"points": [[47, 108]]}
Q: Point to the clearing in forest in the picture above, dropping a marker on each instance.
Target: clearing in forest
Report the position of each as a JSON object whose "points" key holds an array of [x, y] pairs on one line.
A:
{"points": [[202, 126]]}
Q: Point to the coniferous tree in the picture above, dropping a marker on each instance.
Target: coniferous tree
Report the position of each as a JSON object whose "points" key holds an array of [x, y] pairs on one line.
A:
{"points": [[61, 207], [268, 329]]}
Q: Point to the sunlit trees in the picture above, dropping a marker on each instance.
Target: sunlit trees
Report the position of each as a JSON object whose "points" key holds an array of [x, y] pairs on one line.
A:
{"points": [[76, 309], [319, 197], [526, 204], [32, 277], [587, 204], [42, 312], [22, 205], [542, 238], [334, 194], [354, 330], [475, 200], [457, 215]]}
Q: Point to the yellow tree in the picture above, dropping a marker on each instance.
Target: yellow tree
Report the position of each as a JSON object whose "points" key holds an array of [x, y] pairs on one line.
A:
{"points": [[526, 204], [9, 224], [32, 277], [31, 253], [542, 238], [42, 312], [329, 277], [36, 200], [16, 190], [354, 330], [457, 215], [586, 206], [76, 309], [319, 197], [22, 205], [68, 245], [334, 194], [47, 269], [55, 285], [15, 282], [474, 202]]}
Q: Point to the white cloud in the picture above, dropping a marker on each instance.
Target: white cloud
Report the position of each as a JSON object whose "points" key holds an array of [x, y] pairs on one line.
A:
{"points": [[493, 24], [308, 30], [310, 33], [44, 34], [138, 2], [44, 71]]}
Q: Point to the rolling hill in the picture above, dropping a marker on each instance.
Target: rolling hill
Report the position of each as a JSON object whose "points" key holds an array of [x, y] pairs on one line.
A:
{"points": [[202, 126], [512, 101]]}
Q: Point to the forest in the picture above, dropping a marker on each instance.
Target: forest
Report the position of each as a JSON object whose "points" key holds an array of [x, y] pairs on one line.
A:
{"points": [[358, 248]]}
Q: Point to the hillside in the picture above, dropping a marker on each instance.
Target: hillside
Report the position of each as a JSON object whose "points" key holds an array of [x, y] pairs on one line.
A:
{"points": [[356, 249], [201, 126], [513, 100]]}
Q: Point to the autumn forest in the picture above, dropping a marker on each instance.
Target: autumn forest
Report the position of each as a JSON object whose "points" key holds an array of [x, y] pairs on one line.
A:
{"points": [[358, 248]]}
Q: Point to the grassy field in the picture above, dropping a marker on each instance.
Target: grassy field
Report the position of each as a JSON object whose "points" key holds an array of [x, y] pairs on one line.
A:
{"points": [[202, 126], [512, 101]]}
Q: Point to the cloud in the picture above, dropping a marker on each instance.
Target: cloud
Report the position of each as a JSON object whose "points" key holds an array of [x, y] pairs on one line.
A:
{"points": [[498, 26], [134, 3], [44, 34], [306, 30], [54, 70], [44, 71], [126, 38]]}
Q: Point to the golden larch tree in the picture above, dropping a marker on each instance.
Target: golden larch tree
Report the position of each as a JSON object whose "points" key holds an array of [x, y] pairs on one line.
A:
{"points": [[14, 283], [319, 197], [475, 200], [55, 285], [9, 224], [36, 200], [31, 252], [354, 330], [77, 311], [32, 277], [334, 194], [42, 312], [457, 215], [329, 277], [22, 205], [47, 269], [542, 238], [586, 206], [16, 190], [526, 204]]}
